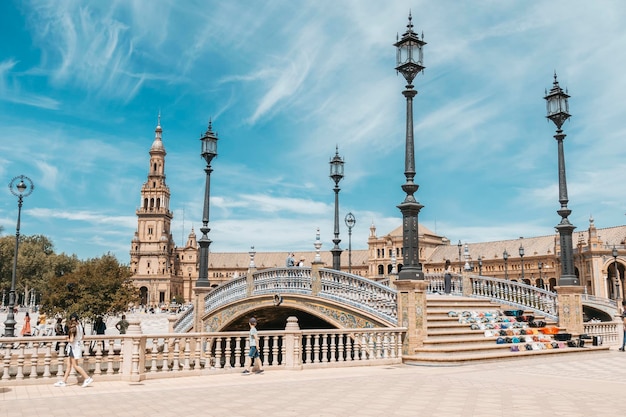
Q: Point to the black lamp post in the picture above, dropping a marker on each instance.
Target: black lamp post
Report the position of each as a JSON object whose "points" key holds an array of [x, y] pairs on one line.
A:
{"points": [[558, 112], [20, 186], [460, 246], [409, 59], [540, 267], [350, 222], [505, 256], [480, 265], [209, 151], [521, 255], [336, 173], [616, 272]]}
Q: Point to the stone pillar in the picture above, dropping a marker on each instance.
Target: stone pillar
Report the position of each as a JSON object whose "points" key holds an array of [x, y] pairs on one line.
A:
{"points": [[569, 298], [133, 352], [412, 313], [171, 320], [316, 280], [467, 284], [198, 307], [250, 282], [293, 344]]}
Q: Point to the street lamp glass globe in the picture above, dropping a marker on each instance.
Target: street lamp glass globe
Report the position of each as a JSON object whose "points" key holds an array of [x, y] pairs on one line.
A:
{"points": [[350, 220]]}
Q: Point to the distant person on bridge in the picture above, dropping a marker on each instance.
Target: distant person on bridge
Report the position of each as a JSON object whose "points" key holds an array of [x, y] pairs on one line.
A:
{"points": [[254, 358], [291, 261], [447, 278]]}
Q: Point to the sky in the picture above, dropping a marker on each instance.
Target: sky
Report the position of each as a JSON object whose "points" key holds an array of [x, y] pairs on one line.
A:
{"points": [[285, 83]]}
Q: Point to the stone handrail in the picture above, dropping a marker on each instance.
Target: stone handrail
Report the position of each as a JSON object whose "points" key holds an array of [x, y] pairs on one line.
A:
{"points": [[516, 294], [359, 292], [135, 357], [356, 291], [609, 330]]}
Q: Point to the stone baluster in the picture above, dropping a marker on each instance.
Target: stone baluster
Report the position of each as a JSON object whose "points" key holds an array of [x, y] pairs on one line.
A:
{"points": [[20, 362], [324, 348], [217, 345], [34, 358], [47, 360], [186, 353], [275, 342], [228, 359], [176, 355], [153, 355]]}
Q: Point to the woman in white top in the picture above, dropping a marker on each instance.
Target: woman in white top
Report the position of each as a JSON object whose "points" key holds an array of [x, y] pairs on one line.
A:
{"points": [[74, 351]]}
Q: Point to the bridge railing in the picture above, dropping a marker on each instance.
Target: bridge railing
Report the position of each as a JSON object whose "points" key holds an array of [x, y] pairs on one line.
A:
{"points": [[360, 292], [516, 294], [134, 357], [513, 293]]}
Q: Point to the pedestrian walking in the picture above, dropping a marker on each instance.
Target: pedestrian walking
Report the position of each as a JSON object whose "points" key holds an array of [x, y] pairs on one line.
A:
{"points": [[291, 261], [122, 325], [74, 351], [253, 359], [26, 330]]}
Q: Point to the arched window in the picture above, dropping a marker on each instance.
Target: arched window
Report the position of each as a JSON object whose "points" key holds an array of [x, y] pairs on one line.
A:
{"points": [[389, 268], [152, 203], [155, 167], [158, 203], [145, 203], [381, 270]]}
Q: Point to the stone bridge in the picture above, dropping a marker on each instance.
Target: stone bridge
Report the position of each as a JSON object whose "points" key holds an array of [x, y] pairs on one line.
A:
{"points": [[326, 298]]}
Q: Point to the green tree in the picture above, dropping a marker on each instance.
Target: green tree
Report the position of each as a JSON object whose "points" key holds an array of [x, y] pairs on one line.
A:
{"points": [[36, 263], [96, 287]]}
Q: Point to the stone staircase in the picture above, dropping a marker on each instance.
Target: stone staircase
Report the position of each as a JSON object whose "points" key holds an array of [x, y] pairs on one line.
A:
{"points": [[451, 343]]}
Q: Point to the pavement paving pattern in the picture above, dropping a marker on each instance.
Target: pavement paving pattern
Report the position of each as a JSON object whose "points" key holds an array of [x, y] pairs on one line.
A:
{"points": [[573, 385]]}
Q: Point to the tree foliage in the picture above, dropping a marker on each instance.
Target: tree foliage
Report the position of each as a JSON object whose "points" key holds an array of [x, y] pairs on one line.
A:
{"points": [[64, 283], [36, 262], [96, 287]]}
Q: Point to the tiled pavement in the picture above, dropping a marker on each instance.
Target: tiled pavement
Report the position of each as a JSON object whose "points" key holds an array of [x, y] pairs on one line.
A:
{"points": [[570, 385]]}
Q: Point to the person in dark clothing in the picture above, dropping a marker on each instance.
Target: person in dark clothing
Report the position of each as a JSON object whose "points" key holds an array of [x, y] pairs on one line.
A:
{"points": [[447, 278]]}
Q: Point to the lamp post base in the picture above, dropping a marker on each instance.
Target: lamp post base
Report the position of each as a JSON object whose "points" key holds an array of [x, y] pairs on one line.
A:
{"points": [[409, 272]]}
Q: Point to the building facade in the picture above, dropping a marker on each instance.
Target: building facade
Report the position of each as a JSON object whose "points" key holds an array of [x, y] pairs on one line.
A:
{"points": [[163, 272]]}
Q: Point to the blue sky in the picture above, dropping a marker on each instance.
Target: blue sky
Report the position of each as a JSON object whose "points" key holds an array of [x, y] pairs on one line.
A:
{"points": [[82, 83]]}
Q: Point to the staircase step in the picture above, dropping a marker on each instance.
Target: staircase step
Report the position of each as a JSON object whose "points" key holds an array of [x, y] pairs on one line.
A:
{"points": [[460, 358], [451, 342]]}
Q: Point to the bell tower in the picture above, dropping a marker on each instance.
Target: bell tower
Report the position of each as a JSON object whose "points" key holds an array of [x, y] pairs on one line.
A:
{"points": [[152, 254]]}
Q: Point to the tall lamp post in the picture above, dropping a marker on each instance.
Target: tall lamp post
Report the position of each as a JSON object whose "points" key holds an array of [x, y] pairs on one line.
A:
{"points": [[336, 173], [409, 59], [540, 267], [505, 256], [614, 253], [460, 246], [558, 112], [20, 186], [521, 255], [350, 222], [209, 151]]}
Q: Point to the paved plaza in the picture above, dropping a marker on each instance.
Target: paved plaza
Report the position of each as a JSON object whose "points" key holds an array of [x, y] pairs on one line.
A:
{"points": [[570, 385]]}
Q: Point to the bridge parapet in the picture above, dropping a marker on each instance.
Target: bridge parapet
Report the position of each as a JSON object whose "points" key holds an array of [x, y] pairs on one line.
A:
{"points": [[359, 292]]}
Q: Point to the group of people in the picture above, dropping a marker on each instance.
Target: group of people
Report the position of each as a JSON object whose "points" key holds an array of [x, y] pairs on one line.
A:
{"points": [[291, 261]]}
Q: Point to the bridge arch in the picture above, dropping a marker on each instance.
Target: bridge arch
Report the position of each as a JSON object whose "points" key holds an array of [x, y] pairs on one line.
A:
{"points": [[272, 311]]}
